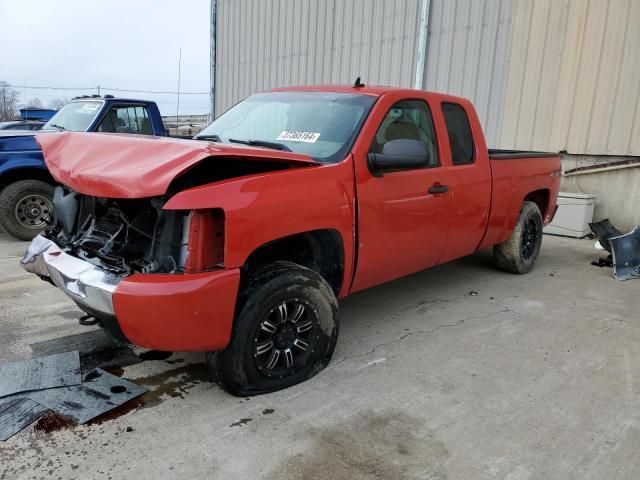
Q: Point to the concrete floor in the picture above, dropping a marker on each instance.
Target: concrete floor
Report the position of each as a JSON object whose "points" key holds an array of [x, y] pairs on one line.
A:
{"points": [[535, 377]]}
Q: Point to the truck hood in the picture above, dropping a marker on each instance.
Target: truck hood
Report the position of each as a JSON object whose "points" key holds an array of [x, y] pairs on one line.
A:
{"points": [[136, 166]]}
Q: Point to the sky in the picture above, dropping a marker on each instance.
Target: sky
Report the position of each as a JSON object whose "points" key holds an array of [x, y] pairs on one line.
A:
{"points": [[122, 44]]}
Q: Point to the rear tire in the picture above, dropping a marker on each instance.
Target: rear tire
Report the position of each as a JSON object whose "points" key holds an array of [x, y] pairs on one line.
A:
{"points": [[285, 331], [26, 208], [519, 253]]}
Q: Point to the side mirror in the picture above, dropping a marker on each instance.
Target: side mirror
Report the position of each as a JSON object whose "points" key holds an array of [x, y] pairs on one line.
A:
{"points": [[399, 155]]}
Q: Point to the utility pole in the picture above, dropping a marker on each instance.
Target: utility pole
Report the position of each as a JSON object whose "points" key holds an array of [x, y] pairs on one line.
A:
{"points": [[421, 61], [178, 104], [212, 54]]}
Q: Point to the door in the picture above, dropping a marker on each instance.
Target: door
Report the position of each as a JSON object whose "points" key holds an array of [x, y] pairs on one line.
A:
{"points": [[403, 214], [469, 180]]}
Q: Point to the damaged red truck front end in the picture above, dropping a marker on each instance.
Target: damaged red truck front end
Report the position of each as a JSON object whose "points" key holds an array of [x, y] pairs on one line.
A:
{"points": [[153, 273]]}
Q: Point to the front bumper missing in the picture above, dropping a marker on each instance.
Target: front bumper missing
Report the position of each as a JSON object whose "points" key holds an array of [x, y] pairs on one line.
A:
{"points": [[88, 285]]}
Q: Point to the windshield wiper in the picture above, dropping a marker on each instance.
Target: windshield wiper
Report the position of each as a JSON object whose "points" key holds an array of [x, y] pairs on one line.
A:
{"points": [[214, 138], [262, 143], [59, 127]]}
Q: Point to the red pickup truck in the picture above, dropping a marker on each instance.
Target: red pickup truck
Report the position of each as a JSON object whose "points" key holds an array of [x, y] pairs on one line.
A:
{"points": [[241, 241]]}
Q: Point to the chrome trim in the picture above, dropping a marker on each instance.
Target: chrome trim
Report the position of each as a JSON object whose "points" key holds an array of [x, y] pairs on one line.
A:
{"points": [[84, 282]]}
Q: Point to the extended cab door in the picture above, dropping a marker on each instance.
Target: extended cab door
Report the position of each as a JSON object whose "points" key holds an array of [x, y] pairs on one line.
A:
{"points": [[469, 178], [403, 214]]}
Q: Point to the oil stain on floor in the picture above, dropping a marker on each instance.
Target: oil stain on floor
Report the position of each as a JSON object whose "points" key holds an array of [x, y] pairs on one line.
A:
{"points": [[370, 446]]}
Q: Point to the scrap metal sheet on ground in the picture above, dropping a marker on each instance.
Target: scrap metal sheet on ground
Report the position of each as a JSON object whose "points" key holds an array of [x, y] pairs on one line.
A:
{"points": [[30, 388], [62, 369], [101, 393], [16, 414], [97, 350]]}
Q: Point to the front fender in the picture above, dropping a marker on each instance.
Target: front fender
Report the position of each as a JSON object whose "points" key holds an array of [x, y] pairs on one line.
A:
{"points": [[262, 208], [13, 161], [19, 152]]}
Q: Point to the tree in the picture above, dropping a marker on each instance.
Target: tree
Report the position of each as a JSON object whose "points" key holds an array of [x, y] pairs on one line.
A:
{"points": [[8, 102], [35, 102], [58, 103]]}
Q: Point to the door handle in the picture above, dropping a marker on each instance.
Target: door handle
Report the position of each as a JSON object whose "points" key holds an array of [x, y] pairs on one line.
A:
{"points": [[437, 188]]}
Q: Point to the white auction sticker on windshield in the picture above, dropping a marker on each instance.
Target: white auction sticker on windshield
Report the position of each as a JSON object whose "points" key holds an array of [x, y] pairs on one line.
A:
{"points": [[91, 106], [307, 137]]}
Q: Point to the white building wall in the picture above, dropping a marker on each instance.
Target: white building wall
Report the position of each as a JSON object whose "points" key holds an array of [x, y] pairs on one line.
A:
{"points": [[573, 78], [467, 53], [263, 44], [559, 75]]}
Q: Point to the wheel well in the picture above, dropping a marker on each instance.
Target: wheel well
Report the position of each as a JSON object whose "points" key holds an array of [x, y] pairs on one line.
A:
{"points": [[540, 198], [319, 250], [26, 174]]}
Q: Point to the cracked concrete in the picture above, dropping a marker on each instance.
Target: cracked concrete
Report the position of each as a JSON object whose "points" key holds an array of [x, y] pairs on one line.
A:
{"points": [[535, 377]]}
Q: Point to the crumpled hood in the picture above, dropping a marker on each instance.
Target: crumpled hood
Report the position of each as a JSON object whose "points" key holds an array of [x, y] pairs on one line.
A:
{"points": [[137, 166]]}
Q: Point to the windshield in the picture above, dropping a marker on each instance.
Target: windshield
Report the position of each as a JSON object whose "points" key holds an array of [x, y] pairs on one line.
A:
{"points": [[319, 124], [75, 116]]}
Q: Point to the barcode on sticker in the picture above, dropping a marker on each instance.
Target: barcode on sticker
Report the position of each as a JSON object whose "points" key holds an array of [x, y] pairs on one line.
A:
{"points": [[308, 137]]}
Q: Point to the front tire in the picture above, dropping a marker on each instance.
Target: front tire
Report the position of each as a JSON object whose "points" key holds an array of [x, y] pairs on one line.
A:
{"points": [[285, 332], [26, 208], [519, 253]]}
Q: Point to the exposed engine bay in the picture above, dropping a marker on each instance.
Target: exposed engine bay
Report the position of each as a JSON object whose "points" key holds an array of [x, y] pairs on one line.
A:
{"points": [[122, 236]]}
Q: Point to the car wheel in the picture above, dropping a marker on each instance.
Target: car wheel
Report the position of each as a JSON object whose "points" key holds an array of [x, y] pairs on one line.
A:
{"points": [[284, 333], [519, 253], [26, 208]]}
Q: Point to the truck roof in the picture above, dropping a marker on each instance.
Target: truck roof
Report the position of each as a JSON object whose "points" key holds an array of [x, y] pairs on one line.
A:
{"points": [[373, 90], [109, 98]]}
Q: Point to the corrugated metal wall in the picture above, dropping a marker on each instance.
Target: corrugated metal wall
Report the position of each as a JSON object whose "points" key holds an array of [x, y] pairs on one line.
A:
{"points": [[264, 44], [467, 52], [573, 80], [543, 74]]}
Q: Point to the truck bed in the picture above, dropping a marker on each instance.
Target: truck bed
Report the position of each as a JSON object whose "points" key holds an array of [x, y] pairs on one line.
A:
{"points": [[516, 180]]}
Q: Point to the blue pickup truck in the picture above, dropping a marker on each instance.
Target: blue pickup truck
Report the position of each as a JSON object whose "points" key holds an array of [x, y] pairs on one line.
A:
{"points": [[26, 187]]}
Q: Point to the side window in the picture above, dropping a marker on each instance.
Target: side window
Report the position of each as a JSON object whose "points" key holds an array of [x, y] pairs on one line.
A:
{"points": [[408, 119], [460, 136], [131, 119]]}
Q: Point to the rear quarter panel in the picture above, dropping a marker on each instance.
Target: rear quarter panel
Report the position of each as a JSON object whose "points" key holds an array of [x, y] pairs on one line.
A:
{"points": [[513, 180]]}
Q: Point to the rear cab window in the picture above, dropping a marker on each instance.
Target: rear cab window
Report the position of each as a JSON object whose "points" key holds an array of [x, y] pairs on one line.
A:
{"points": [[126, 119], [459, 133]]}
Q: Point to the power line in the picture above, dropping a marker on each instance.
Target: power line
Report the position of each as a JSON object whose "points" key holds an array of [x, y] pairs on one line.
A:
{"points": [[47, 88], [154, 91], [157, 92]]}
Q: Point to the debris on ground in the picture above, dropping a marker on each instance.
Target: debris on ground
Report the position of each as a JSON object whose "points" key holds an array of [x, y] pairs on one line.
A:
{"points": [[603, 262], [97, 350], [32, 388], [59, 370], [90, 399], [604, 230], [624, 249], [626, 255], [16, 414]]}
